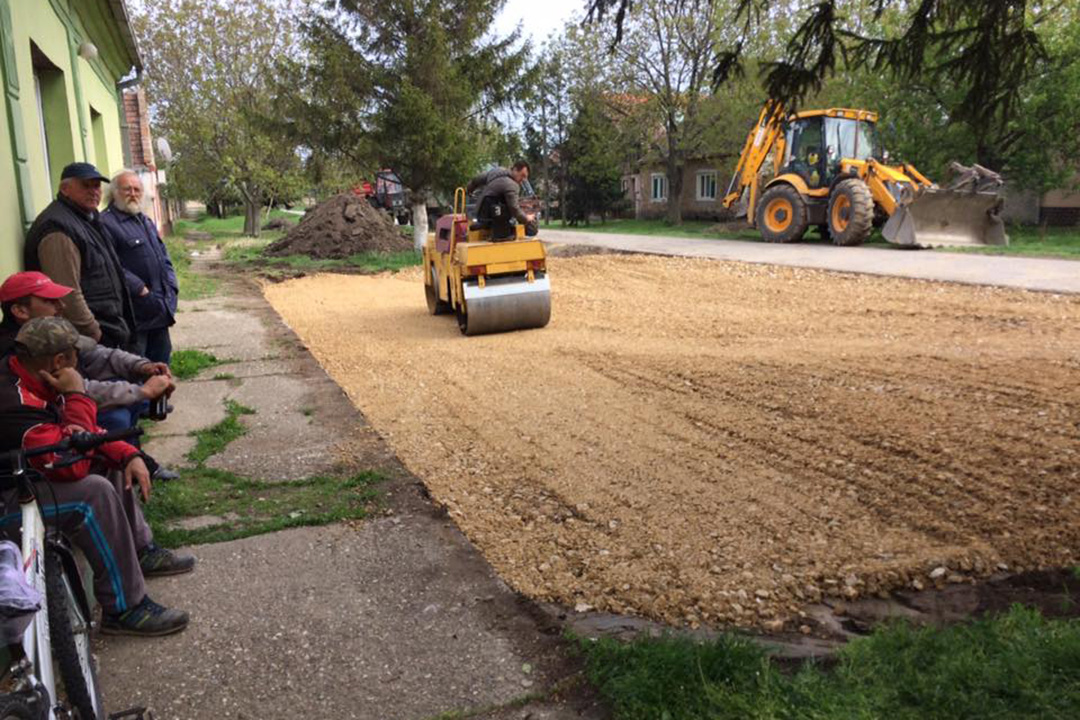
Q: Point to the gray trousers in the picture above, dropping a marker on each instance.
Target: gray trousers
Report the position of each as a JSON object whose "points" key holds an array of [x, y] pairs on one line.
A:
{"points": [[105, 522]]}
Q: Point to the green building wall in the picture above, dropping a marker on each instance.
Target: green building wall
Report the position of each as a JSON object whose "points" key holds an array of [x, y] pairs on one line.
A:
{"points": [[79, 99]]}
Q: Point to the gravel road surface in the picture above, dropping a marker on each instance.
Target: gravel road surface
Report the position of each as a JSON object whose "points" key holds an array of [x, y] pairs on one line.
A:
{"points": [[701, 441]]}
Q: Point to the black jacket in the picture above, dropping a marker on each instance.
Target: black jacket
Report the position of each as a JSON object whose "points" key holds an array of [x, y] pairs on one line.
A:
{"points": [[101, 278]]}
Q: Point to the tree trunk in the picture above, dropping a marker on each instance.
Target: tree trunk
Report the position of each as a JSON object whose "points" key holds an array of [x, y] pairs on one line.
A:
{"points": [[252, 217], [674, 175], [420, 224], [252, 197]]}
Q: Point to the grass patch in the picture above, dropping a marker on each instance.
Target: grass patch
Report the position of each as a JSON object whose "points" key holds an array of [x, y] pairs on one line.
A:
{"points": [[249, 507], [1017, 665], [212, 440], [1024, 240], [192, 285], [224, 376], [252, 255], [254, 507], [1031, 240], [699, 229], [228, 228], [186, 364]]}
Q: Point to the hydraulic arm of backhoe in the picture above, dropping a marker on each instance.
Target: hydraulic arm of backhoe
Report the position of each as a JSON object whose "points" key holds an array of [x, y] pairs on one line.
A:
{"points": [[759, 142]]}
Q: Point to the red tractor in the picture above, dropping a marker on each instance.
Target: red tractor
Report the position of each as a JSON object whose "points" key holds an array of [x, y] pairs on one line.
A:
{"points": [[387, 193]]}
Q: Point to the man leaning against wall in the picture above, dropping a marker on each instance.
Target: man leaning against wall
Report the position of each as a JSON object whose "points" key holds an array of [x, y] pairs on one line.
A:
{"points": [[68, 243], [148, 270]]}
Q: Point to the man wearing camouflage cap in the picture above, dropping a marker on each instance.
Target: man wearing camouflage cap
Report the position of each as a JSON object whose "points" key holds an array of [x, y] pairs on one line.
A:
{"points": [[42, 401]]}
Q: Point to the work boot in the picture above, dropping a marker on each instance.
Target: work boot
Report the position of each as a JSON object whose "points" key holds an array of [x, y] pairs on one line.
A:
{"points": [[147, 619], [156, 560]]}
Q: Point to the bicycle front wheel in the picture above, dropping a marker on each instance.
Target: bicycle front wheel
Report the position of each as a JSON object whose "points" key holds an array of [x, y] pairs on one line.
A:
{"points": [[69, 631], [17, 707]]}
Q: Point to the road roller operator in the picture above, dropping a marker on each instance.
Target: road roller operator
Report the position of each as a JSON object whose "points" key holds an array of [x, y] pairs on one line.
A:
{"points": [[498, 205]]}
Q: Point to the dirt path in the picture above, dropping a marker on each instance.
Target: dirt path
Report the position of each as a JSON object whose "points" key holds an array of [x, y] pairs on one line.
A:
{"points": [[702, 441]]}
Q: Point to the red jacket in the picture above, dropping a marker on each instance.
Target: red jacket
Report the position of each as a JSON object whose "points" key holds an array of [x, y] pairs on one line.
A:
{"points": [[33, 414]]}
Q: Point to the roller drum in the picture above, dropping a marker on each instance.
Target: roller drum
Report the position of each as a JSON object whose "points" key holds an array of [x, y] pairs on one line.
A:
{"points": [[506, 303]]}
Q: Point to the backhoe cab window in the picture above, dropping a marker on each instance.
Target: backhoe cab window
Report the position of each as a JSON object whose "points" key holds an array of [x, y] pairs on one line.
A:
{"points": [[848, 139], [804, 150]]}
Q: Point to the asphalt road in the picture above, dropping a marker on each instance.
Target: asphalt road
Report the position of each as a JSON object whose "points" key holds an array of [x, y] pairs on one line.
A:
{"points": [[1059, 276]]}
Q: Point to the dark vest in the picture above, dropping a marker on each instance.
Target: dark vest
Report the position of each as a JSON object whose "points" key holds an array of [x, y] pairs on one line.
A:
{"points": [[101, 278]]}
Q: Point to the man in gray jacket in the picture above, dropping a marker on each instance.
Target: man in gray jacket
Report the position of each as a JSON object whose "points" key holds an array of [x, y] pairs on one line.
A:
{"points": [[498, 202]]}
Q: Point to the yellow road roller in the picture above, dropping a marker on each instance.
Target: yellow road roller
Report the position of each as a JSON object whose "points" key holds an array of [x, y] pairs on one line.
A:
{"points": [[490, 286]]}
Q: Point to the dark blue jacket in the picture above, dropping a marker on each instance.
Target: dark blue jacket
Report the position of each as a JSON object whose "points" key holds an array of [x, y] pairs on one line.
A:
{"points": [[146, 263]]}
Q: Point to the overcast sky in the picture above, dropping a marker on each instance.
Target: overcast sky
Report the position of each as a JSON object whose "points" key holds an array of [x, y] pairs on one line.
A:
{"points": [[539, 18]]}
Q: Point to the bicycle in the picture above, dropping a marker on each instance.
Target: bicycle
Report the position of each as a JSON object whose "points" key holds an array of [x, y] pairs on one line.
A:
{"points": [[61, 634]]}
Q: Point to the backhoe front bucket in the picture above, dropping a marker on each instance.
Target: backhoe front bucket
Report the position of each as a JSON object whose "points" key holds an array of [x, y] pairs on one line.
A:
{"points": [[505, 303], [939, 218]]}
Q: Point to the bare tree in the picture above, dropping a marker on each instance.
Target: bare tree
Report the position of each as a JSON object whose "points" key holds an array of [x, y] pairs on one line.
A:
{"points": [[666, 60]]}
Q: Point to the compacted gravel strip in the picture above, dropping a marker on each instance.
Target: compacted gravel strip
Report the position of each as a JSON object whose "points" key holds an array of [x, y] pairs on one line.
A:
{"points": [[698, 441]]}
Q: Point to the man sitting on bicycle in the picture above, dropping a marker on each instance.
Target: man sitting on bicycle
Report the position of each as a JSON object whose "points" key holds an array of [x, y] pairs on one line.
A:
{"points": [[42, 401], [119, 382]]}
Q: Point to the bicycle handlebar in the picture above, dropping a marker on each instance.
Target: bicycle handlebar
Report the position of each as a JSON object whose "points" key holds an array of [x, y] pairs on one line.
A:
{"points": [[80, 442]]}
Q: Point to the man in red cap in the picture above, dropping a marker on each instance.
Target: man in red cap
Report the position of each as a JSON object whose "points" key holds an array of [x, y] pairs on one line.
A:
{"points": [[28, 295]]}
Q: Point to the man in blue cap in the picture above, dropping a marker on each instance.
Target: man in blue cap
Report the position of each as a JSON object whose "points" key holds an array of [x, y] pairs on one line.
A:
{"points": [[68, 243]]}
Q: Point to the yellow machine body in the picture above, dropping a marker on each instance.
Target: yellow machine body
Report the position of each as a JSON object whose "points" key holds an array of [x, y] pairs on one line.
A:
{"points": [[826, 168], [489, 286]]}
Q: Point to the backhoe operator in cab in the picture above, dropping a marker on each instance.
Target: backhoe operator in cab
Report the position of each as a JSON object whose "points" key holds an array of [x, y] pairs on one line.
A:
{"points": [[498, 205]]}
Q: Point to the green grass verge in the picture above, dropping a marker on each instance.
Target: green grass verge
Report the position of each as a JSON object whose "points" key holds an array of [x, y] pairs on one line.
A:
{"points": [[231, 227], [1024, 240], [249, 507], [700, 229], [1017, 665], [193, 285], [186, 364], [212, 440], [252, 255], [254, 507], [1030, 240]]}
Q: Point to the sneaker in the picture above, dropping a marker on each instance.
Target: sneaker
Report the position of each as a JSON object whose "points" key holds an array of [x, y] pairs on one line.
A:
{"points": [[147, 619], [164, 474], [156, 560]]}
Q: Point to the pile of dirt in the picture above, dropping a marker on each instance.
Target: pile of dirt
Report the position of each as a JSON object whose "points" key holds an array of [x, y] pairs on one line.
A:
{"points": [[343, 226]]}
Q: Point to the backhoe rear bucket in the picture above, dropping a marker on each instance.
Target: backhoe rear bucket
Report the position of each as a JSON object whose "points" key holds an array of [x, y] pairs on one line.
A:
{"points": [[506, 303], [945, 217]]}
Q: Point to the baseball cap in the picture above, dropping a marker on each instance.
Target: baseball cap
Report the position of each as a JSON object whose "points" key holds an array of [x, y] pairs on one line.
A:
{"points": [[45, 336], [82, 171], [22, 284]]}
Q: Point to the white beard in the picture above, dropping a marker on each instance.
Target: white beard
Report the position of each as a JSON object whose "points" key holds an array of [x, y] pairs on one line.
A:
{"points": [[131, 207]]}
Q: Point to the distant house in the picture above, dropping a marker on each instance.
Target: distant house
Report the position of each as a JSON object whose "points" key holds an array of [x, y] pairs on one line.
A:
{"points": [[63, 65], [705, 179]]}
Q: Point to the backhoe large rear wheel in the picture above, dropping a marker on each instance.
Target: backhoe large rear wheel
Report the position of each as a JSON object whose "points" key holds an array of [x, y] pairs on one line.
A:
{"points": [[781, 214], [851, 212]]}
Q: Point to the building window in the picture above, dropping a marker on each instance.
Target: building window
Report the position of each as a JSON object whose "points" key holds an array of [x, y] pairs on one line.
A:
{"points": [[97, 130], [706, 185], [659, 187], [54, 120]]}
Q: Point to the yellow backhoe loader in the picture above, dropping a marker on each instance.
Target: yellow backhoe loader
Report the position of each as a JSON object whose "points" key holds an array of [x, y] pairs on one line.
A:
{"points": [[490, 286], [827, 168]]}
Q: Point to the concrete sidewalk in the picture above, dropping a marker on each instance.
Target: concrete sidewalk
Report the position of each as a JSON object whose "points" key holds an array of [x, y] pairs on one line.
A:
{"points": [[397, 616], [1060, 276]]}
